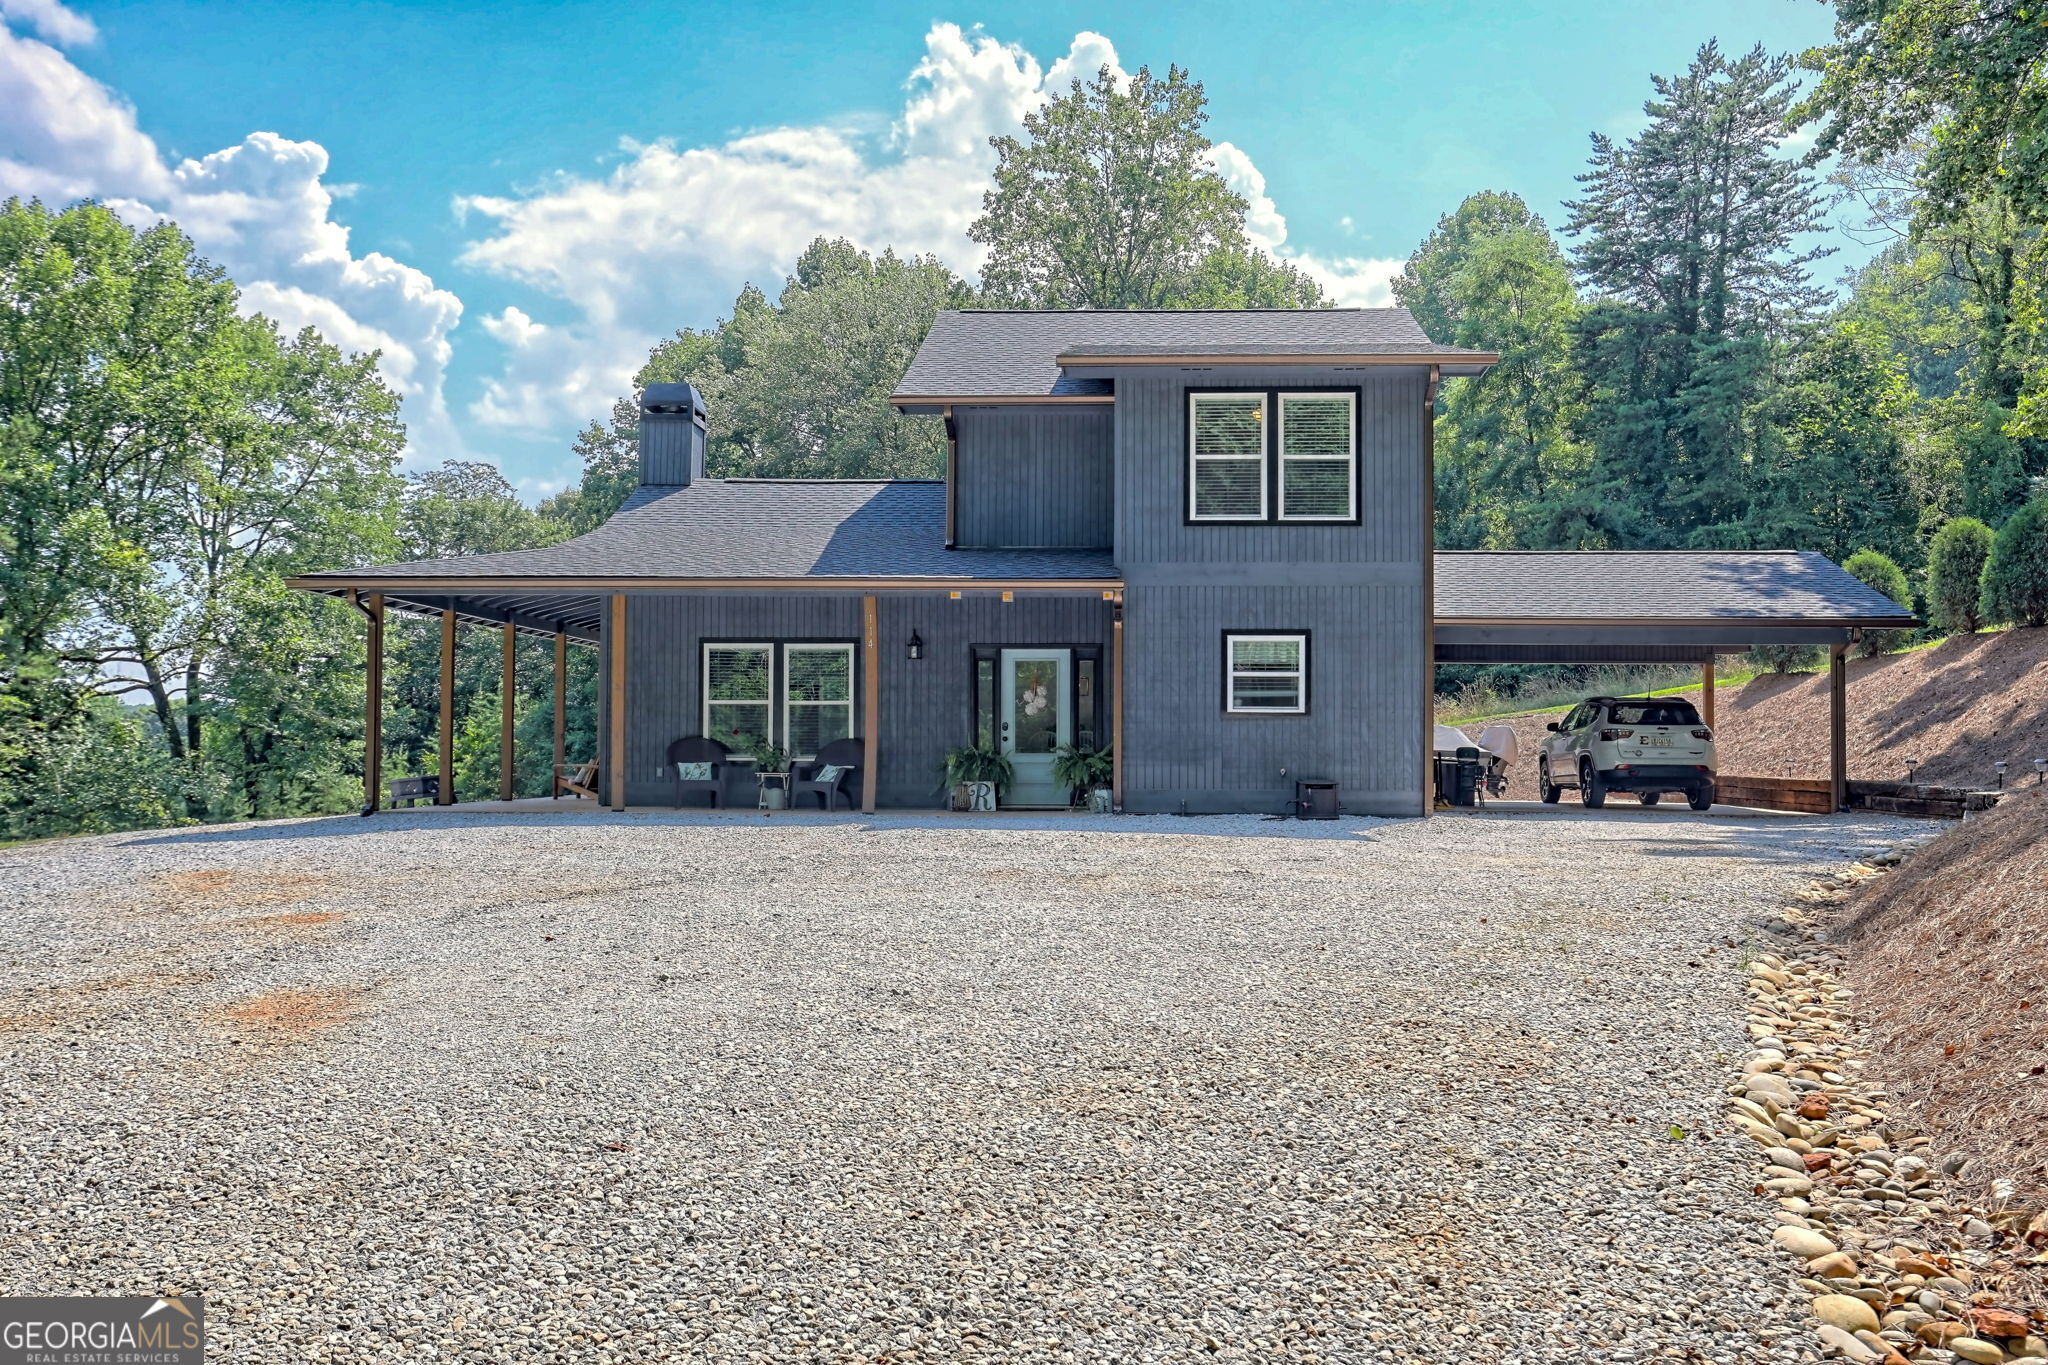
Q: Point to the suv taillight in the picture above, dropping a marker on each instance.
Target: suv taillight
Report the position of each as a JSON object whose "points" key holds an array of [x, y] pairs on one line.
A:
{"points": [[1611, 735], [1703, 733]]}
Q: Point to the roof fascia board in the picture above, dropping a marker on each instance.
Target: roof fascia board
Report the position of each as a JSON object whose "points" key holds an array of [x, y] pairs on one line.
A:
{"points": [[482, 587], [1078, 359], [1016, 400]]}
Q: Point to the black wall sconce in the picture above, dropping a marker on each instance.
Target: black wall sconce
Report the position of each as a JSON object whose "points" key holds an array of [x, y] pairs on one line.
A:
{"points": [[916, 645]]}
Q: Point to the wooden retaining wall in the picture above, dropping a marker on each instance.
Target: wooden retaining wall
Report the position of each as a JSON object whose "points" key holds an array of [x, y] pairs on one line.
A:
{"points": [[1812, 796]]}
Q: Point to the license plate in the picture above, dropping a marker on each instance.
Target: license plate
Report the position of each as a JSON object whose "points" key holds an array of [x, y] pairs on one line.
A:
{"points": [[1656, 741]]}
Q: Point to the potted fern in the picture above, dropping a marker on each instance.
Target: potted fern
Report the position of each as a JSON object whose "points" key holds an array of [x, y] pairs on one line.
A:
{"points": [[1088, 774], [975, 772]]}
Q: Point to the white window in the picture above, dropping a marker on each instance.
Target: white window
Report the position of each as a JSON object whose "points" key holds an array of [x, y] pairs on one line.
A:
{"points": [[1318, 457], [737, 706], [1265, 674], [817, 696], [1226, 457]]}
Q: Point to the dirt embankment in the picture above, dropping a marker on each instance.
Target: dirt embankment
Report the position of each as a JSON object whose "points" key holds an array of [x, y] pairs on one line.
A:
{"points": [[1945, 960], [1957, 708]]}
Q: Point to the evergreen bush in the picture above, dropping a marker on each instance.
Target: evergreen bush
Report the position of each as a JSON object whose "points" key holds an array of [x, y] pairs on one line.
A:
{"points": [[1876, 570], [2016, 575], [1955, 576]]}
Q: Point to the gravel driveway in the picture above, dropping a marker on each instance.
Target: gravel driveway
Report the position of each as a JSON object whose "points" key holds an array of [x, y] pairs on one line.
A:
{"points": [[574, 1088]]}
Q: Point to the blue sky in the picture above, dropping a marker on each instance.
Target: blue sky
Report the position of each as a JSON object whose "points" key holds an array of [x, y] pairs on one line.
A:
{"points": [[513, 200]]}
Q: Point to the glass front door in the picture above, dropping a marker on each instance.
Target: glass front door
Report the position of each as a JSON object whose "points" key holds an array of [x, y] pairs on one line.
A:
{"points": [[1036, 718]]}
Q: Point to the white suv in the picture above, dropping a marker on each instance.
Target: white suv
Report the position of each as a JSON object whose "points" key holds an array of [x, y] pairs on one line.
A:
{"points": [[1645, 745]]}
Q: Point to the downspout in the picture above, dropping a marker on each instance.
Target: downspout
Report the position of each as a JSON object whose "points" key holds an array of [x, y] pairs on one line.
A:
{"points": [[952, 471], [1429, 590]]}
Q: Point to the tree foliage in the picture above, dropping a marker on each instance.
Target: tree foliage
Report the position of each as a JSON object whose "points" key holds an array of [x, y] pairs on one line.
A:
{"points": [[1690, 254], [1110, 200], [1491, 278]]}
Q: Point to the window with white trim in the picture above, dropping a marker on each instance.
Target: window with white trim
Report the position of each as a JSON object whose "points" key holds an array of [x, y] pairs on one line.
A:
{"points": [[738, 707], [817, 697], [1318, 456], [1265, 675], [1226, 457]]}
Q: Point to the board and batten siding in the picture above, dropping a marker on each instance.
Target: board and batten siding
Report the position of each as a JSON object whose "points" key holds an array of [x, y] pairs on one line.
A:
{"points": [[926, 704], [1038, 477], [1358, 590]]}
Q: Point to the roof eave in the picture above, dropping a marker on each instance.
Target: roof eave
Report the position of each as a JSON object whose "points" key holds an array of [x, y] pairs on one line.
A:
{"points": [[1448, 361]]}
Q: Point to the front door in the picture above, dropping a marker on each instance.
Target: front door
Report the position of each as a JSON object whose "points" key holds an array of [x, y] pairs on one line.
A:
{"points": [[1036, 718]]}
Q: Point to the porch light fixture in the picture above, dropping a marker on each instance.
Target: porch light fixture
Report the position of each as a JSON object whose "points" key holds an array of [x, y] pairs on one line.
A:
{"points": [[916, 645]]}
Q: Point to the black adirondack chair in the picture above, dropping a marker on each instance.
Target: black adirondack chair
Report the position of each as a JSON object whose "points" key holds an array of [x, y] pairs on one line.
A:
{"points": [[844, 753], [697, 749]]}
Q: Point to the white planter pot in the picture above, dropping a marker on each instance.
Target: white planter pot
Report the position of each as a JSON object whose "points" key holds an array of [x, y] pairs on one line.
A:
{"points": [[980, 795], [774, 798], [1101, 801]]}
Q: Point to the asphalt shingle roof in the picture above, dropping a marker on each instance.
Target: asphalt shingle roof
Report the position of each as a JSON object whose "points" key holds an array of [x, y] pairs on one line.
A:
{"points": [[989, 353], [1624, 585], [765, 528]]}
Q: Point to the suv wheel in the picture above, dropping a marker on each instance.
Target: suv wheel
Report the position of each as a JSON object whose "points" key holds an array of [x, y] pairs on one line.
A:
{"points": [[1545, 788], [1649, 798], [1702, 796], [1592, 787]]}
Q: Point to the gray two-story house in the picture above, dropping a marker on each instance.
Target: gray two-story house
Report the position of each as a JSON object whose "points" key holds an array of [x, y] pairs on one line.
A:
{"points": [[1200, 539]]}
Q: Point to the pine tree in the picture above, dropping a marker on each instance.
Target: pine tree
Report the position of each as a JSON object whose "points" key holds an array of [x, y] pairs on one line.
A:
{"points": [[1690, 250]]}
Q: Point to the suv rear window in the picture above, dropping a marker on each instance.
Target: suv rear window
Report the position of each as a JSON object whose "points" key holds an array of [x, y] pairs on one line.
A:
{"points": [[1653, 713]]}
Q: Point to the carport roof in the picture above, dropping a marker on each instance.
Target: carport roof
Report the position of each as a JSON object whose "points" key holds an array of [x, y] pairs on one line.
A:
{"points": [[1644, 587]]}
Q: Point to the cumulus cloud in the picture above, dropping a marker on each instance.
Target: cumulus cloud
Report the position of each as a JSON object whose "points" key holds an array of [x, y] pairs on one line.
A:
{"points": [[1350, 281], [261, 209], [668, 235]]}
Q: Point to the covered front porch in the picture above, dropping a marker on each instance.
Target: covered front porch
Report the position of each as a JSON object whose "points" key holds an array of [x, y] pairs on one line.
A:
{"points": [[903, 673]]}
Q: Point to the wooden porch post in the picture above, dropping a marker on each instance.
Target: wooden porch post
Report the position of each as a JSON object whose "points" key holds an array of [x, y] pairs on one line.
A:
{"points": [[1707, 691], [618, 702], [1116, 700], [445, 792], [871, 702], [1838, 724], [561, 708], [508, 696], [373, 707]]}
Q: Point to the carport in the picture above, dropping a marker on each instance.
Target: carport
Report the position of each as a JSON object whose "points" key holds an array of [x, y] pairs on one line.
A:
{"points": [[1660, 607]]}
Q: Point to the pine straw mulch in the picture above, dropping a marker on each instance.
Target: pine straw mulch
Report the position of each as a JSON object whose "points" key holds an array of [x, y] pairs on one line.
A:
{"points": [[1950, 975]]}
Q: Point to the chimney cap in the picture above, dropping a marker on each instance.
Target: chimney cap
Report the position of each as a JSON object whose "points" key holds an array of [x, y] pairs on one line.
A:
{"points": [[681, 399]]}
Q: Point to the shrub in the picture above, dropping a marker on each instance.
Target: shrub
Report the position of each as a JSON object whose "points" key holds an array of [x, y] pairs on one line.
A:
{"points": [[1876, 570], [1785, 658], [2016, 576], [1955, 574]]}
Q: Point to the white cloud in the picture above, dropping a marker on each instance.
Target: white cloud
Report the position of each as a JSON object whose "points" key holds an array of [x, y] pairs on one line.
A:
{"points": [[260, 209], [1350, 281], [50, 20]]}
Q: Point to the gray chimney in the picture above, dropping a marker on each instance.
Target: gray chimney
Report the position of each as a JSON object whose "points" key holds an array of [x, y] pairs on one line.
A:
{"points": [[671, 435]]}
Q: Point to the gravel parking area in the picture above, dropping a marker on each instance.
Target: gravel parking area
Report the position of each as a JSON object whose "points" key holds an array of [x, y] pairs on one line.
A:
{"points": [[583, 1088]]}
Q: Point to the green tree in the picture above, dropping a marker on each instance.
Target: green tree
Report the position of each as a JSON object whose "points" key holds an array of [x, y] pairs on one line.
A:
{"points": [[1955, 576], [1963, 78], [1690, 252], [466, 507], [292, 469], [1490, 277], [1875, 569], [1830, 472], [2016, 574], [808, 396], [1110, 200]]}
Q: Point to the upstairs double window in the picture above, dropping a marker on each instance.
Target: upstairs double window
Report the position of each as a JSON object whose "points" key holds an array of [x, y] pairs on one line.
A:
{"points": [[1272, 455]]}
